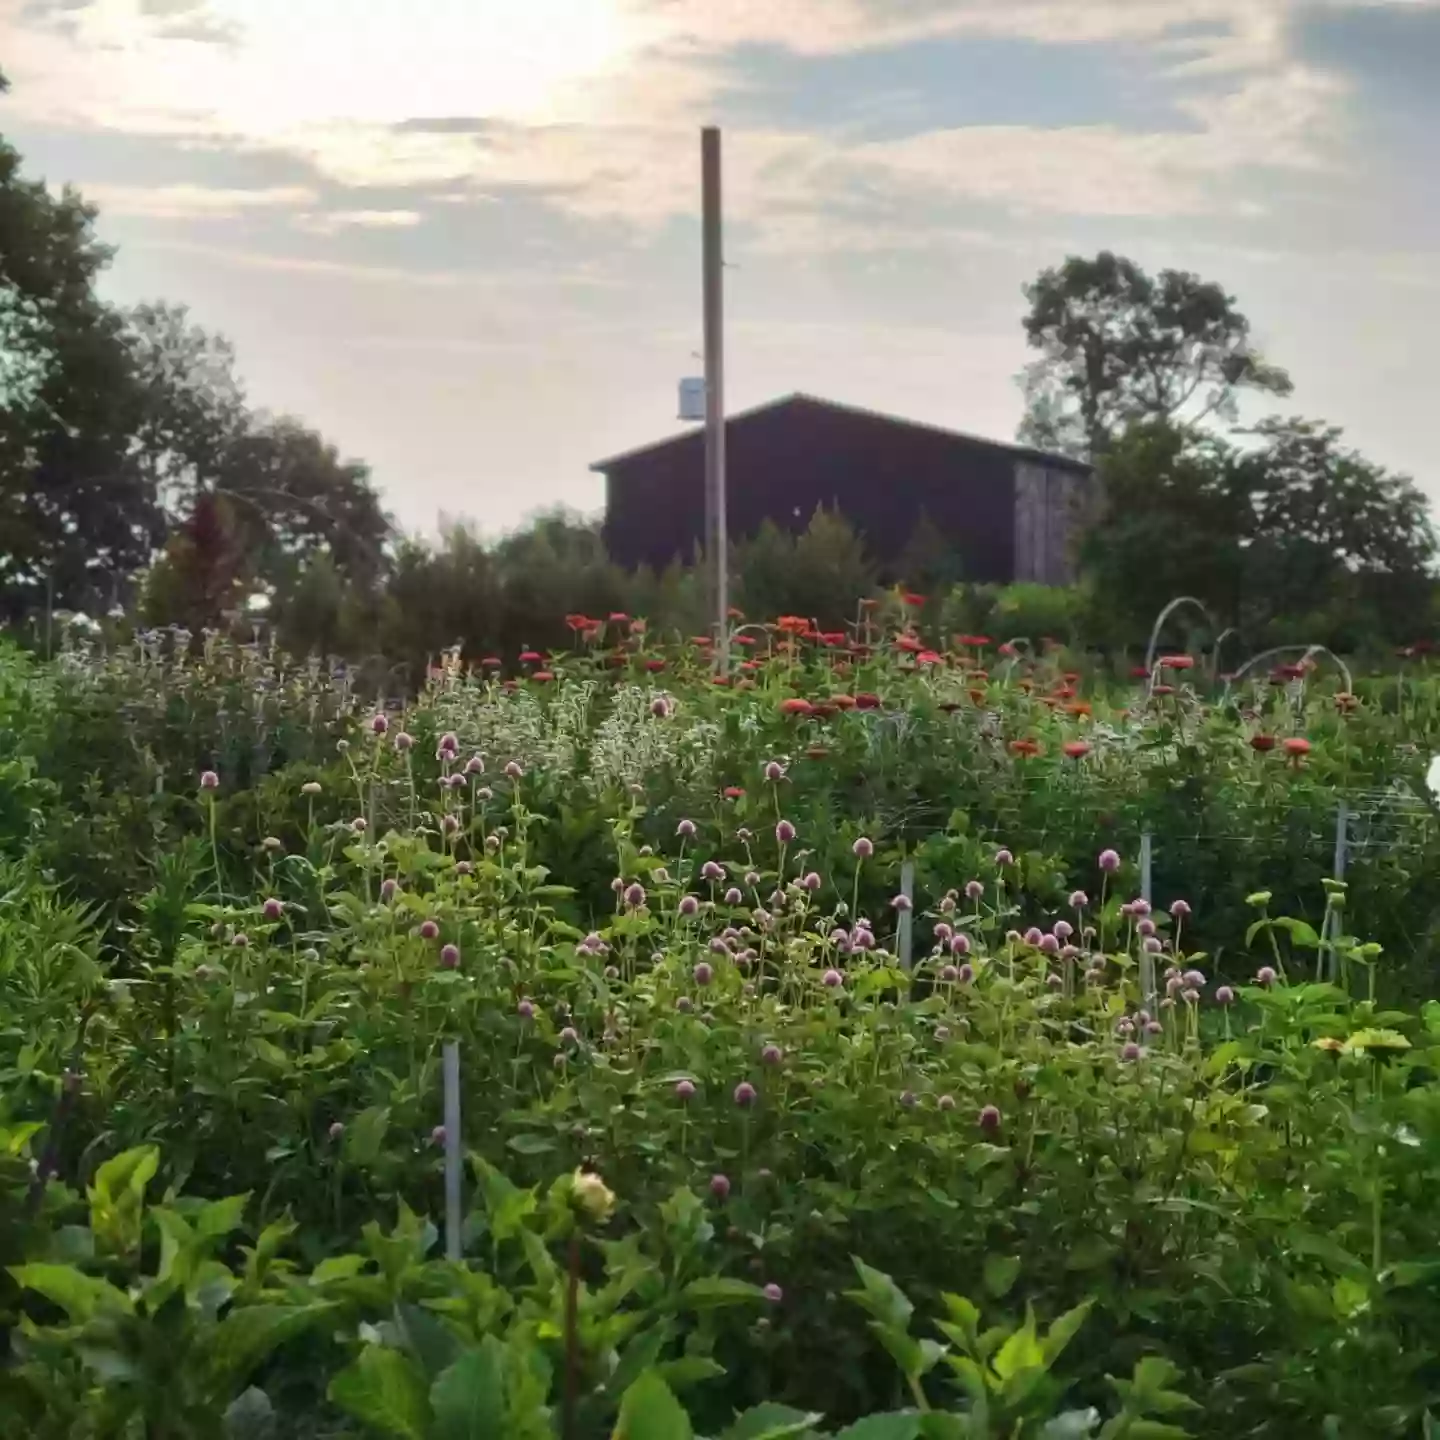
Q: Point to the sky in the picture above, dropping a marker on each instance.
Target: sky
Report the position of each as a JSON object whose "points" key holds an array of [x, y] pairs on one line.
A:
{"points": [[461, 237]]}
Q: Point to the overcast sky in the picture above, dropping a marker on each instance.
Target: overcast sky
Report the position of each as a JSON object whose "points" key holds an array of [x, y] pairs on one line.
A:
{"points": [[461, 236]]}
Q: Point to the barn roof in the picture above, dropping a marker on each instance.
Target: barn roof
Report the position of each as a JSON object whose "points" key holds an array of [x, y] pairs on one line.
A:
{"points": [[800, 399]]}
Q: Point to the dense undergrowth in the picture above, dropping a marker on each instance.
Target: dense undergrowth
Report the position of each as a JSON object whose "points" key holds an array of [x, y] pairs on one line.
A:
{"points": [[1089, 1164]]}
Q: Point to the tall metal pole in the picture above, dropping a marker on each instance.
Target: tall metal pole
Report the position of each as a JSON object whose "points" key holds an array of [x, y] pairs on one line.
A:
{"points": [[716, 536]]}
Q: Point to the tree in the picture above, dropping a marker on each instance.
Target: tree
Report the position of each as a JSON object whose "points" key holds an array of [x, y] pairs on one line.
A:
{"points": [[78, 514], [820, 573], [1265, 536], [1118, 347]]}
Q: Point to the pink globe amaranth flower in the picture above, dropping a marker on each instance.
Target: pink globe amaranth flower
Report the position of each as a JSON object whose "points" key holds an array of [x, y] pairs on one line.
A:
{"points": [[1049, 945], [684, 1004], [772, 1054], [719, 947], [659, 709], [686, 829], [1109, 861], [974, 889], [359, 824], [1154, 1027], [1145, 927], [450, 956], [1054, 981], [450, 824], [403, 740], [689, 905], [1003, 858], [1062, 929], [863, 848], [475, 765], [1140, 907], [720, 1186], [946, 1102], [752, 878], [1094, 975], [1195, 979], [1078, 899], [811, 882], [558, 1059], [455, 781], [337, 1129], [839, 936], [429, 930], [862, 939], [745, 1094], [526, 1009], [712, 870], [449, 745], [635, 895], [1190, 995], [784, 832], [379, 724], [1224, 995], [209, 780], [273, 909], [967, 974], [1173, 983], [389, 888], [959, 944], [902, 903], [734, 897], [240, 939], [989, 1119], [832, 979], [310, 787], [1130, 1051], [1033, 936], [612, 972], [943, 931], [949, 973], [1179, 908], [1124, 1026], [570, 1035], [1152, 945], [773, 1293], [774, 771], [908, 1099], [684, 1089], [464, 867], [703, 973], [515, 770], [437, 1135]]}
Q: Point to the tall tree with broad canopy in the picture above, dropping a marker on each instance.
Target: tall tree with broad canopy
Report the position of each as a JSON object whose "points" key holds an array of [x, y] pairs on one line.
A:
{"points": [[1118, 346]]}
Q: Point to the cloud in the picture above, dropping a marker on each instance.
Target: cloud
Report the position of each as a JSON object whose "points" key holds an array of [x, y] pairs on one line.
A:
{"points": [[191, 202], [333, 221]]}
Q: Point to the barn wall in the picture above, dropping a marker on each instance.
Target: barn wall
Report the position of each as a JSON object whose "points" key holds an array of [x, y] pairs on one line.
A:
{"points": [[784, 463], [1048, 503]]}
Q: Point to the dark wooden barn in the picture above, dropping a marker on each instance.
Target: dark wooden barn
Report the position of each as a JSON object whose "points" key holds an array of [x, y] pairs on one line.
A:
{"points": [[1010, 512]]}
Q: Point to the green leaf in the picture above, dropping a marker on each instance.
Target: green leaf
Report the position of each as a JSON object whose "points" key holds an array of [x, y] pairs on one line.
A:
{"points": [[650, 1411], [1022, 1351], [1000, 1274], [468, 1399], [715, 1291], [248, 1334], [79, 1295], [900, 1425], [386, 1391], [770, 1422], [1064, 1330], [1301, 933], [127, 1173], [221, 1217], [529, 1144], [688, 1370], [365, 1135]]}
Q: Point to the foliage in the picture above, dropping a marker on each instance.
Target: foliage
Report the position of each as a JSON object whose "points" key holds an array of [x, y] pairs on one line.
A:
{"points": [[1119, 347]]}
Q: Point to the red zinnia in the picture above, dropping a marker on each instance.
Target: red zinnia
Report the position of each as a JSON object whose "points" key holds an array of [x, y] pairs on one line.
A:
{"points": [[542, 677], [909, 643], [1263, 743], [749, 666], [972, 642], [734, 613], [580, 622], [843, 702], [744, 641], [1297, 747], [1162, 690], [491, 662], [1008, 650], [529, 657], [654, 665], [915, 601], [927, 657], [1076, 749], [733, 792], [1024, 747], [1175, 662], [701, 640], [796, 706], [866, 701]]}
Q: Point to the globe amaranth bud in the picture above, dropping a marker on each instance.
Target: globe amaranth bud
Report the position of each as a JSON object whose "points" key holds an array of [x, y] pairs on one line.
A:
{"points": [[591, 1197]]}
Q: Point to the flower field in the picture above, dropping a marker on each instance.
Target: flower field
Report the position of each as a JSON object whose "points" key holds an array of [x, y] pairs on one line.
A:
{"points": [[821, 1061]]}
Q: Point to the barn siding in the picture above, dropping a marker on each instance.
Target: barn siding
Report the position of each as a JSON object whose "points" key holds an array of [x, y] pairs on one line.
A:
{"points": [[786, 461]]}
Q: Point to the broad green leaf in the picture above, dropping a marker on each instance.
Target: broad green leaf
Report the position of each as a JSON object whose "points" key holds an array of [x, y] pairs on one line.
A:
{"points": [[714, 1291], [468, 1399], [531, 1144], [650, 1411], [127, 1173], [221, 1217], [79, 1295], [1022, 1351], [1000, 1274], [688, 1370], [337, 1267], [386, 1391], [770, 1422], [901, 1425], [1064, 1330], [365, 1135], [249, 1333]]}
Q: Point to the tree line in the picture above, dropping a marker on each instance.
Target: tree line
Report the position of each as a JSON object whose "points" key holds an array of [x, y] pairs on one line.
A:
{"points": [[139, 486]]}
